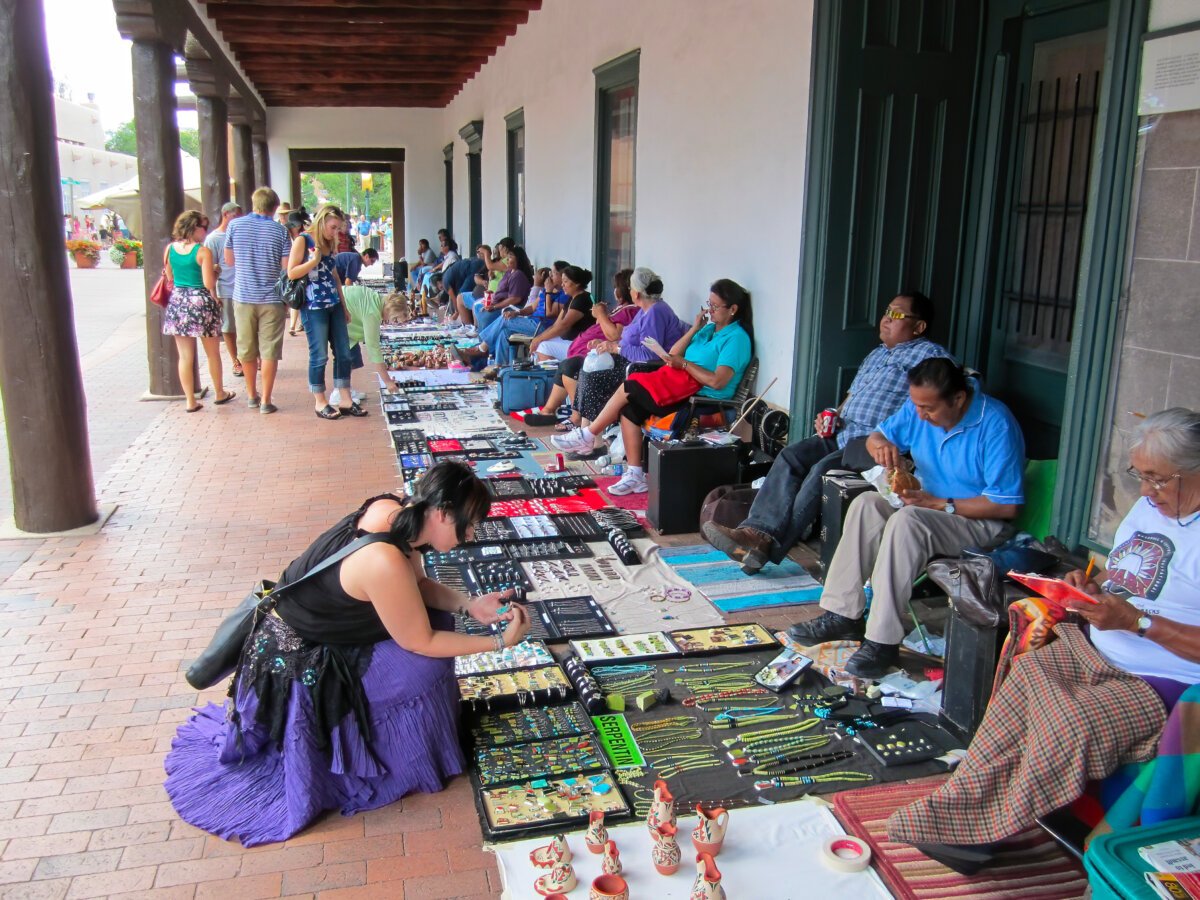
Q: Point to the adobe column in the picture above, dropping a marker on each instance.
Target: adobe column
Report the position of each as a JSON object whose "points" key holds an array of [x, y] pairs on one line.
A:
{"points": [[40, 380], [156, 35]]}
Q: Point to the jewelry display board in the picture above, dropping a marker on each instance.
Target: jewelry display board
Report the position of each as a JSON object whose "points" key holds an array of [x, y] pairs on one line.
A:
{"points": [[525, 655], [649, 645], [523, 726], [722, 638], [553, 758], [559, 804], [522, 687], [553, 619]]}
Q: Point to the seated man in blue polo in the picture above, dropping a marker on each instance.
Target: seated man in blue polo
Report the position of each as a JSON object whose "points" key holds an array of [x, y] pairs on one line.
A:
{"points": [[970, 460], [789, 502]]}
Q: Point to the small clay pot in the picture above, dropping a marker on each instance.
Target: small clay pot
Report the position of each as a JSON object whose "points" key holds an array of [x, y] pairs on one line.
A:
{"points": [[609, 887]]}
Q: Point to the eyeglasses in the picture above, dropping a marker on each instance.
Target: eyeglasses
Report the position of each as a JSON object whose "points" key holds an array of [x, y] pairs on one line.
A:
{"points": [[713, 306], [898, 314], [1156, 483]]}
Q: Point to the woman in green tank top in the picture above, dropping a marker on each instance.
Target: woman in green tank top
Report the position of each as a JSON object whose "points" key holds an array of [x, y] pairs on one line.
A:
{"points": [[193, 312]]}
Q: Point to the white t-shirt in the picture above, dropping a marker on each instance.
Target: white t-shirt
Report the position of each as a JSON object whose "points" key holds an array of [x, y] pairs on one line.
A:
{"points": [[1156, 567]]}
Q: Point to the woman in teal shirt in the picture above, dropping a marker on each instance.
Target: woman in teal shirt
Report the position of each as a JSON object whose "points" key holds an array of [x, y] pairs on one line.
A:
{"points": [[192, 312], [708, 360]]}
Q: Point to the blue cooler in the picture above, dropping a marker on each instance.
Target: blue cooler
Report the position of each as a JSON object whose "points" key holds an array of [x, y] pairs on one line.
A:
{"points": [[1116, 871]]}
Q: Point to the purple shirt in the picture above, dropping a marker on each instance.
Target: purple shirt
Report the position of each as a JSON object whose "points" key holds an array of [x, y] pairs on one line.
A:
{"points": [[515, 283], [659, 322]]}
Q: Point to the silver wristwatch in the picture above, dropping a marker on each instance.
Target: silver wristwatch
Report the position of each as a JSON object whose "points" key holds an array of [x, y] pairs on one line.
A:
{"points": [[949, 507], [1143, 625]]}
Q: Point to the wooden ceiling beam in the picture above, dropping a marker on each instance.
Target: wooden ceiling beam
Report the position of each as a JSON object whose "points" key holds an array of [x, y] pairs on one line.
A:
{"points": [[333, 17], [266, 79], [280, 31], [418, 7]]}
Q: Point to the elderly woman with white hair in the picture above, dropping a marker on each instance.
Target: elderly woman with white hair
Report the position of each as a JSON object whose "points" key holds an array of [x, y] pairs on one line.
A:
{"points": [[1098, 695]]}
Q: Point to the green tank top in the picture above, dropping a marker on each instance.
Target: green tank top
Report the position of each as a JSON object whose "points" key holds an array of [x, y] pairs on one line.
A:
{"points": [[185, 269]]}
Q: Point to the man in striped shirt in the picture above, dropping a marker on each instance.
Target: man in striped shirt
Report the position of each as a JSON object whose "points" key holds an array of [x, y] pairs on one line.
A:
{"points": [[259, 247]]}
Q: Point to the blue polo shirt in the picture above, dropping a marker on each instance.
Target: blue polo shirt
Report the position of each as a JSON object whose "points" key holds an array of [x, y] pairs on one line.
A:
{"points": [[712, 349], [982, 456], [348, 264]]}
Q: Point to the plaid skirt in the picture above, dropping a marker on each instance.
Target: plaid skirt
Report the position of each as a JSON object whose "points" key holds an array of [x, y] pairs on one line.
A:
{"points": [[1063, 717], [192, 312]]}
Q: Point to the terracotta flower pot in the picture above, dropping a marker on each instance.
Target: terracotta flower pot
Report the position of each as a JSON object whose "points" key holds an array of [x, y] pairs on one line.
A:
{"points": [[609, 887], [83, 261], [130, 260]]}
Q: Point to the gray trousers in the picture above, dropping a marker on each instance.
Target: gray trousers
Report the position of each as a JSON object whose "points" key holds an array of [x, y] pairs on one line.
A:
{"points": [[891, 547]]}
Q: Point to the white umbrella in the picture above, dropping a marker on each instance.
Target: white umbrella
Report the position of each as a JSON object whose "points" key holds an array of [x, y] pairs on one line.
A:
{"points": [[125, 200]]}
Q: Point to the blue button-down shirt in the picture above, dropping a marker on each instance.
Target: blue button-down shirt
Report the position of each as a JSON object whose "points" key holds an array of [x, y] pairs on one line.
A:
{"points": [[982, 456], [881, 386]]}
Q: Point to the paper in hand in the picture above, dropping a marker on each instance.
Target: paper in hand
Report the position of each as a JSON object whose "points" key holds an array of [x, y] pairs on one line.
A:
{"points": [[656, 348]]}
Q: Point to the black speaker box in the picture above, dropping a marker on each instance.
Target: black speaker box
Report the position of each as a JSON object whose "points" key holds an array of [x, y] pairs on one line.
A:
{"points": [[679, 476]]}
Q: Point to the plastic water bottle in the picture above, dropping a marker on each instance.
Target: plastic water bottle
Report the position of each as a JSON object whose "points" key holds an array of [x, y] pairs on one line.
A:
{"points": [[869, 592]]}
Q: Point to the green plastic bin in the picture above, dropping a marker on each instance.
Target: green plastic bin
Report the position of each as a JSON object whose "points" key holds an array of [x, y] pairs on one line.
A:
{"points": [[1115, 869]]}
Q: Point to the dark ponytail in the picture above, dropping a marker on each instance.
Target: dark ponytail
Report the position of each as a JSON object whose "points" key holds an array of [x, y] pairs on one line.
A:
{"points": [[450, 486], [735, 295], [579, 275]]}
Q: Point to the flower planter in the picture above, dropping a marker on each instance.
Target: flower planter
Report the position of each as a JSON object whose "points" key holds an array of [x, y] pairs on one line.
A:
{"points": [[83, 261], [130, 260]]}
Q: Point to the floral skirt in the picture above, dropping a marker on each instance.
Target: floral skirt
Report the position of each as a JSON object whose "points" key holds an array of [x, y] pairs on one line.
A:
{"points": [[192, 312]]}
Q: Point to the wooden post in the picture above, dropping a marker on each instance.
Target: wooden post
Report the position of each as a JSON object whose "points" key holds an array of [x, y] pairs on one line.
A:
{"points": [[40, 381], [213, 114], [243, 165], [262, 165]]}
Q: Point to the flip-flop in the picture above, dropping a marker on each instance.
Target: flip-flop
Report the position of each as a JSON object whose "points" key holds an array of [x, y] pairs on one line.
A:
{"points": [[229, 395], [196, 408]]}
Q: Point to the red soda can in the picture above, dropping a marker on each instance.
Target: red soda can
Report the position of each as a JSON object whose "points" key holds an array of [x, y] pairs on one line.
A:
{"points": [[827, 422]]}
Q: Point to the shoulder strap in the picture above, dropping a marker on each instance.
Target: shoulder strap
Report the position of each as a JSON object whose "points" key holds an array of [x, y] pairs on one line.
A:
{"points": [[373, 538]]}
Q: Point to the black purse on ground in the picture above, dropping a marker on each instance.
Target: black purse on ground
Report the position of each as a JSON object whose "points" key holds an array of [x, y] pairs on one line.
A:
{"points": [[220, 657]]}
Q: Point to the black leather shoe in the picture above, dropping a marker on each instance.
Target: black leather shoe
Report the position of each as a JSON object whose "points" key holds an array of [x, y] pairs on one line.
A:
{"points": [[965, 859], [873, 660], [828, 626]]}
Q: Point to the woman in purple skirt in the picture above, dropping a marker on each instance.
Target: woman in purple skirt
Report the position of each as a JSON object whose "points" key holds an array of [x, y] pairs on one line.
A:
{"points": [[345, 696]]}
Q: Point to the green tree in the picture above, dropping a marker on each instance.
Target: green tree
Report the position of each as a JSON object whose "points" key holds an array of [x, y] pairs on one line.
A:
{"points": [[330, 187], [123, 139]]}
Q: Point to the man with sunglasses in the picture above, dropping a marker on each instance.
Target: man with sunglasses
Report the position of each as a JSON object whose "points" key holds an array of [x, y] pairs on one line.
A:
{"points": [[789, 502]]}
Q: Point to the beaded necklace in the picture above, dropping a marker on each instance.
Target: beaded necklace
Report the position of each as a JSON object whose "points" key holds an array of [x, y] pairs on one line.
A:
{"points": [[794, 780], [710, 667]]}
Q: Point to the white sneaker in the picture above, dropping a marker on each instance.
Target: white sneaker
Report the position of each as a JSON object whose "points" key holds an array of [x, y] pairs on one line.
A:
{"points": [[630, 483], [578, 441], [358, 396]]}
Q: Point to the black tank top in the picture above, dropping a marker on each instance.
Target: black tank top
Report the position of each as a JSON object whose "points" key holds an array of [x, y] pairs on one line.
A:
{"points": [[320, 609]]}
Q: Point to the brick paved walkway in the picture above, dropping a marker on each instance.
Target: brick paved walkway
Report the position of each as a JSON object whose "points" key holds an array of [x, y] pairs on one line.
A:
{"points": [[94, 633]]}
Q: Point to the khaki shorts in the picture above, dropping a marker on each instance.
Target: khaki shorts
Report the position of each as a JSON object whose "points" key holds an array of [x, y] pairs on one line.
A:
{"points": [[260, 330]]}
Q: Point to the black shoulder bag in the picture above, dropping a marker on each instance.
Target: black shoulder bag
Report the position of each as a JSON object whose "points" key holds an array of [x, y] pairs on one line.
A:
{"points": [[220, 657]]}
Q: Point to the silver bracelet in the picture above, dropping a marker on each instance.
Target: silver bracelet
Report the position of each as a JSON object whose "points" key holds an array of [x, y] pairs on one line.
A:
{"points": [[499, 641]]}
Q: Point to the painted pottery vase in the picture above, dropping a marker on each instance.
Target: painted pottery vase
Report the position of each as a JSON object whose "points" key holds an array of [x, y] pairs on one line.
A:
{"points": [[666, 855], [560, 880], [609, 887], [707, 885], [552, 854], [597, 834], [611, 864], [662, 809], [709, 835]]}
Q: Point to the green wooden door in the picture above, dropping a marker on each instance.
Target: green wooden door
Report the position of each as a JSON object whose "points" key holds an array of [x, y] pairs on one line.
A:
{"points": [[886, 215], [1046, 139]]}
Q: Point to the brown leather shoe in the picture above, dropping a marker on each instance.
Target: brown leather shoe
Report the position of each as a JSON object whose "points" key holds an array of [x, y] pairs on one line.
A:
{"points": [[743, 545]]}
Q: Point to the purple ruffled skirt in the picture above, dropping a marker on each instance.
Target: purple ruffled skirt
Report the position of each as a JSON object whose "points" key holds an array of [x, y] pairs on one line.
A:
{"points": [[259, 794]]}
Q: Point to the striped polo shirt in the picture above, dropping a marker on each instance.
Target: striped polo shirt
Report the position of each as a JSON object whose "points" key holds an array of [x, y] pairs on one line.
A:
{"points": [[259, 244]]}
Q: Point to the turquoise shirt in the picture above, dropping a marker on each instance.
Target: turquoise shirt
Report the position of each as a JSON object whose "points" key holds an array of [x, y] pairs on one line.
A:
{"points": [[711, 349], [982, 456]]}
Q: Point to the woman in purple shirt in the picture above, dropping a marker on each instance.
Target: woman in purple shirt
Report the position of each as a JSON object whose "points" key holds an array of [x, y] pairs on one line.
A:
{"points": [[654, 319]]}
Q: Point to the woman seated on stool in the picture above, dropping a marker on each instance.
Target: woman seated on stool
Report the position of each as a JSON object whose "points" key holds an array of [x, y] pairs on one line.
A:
{"points": [[1096, 697], [345, 697], [709, 360]]}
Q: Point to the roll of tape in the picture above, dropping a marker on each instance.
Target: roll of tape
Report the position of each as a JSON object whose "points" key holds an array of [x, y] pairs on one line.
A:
{"points": [[846, 854]]}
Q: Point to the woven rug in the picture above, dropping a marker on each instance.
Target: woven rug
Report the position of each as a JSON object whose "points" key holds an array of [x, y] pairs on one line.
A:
{"points": [[1031, 867], [730, 589], [623, 501]]}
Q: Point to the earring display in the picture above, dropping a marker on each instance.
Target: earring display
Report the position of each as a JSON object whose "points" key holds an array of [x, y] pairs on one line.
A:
{"points": [[525, 655], [566, 618], [464, 554], [723, 637], [900, 745], [491, 531], [579, 525], [534, 526], [551, 803], [530, 488], [537, 724], [401, 416], [522, 687], [563, 548], [649, 645], [496, 575], [610, 517], [625, 551], [523, 762]]}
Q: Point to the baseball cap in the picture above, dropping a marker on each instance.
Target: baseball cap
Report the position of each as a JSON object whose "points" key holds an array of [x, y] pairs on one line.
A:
{"points": [[229, 207]]}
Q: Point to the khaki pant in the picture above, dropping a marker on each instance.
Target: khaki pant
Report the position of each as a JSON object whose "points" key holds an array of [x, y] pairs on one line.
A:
{"points": [[891, 547], [259, 330]]}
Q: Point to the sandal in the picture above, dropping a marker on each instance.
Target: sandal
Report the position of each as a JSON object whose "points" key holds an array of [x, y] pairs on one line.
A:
{"points": [[328, 413], [237, 371], [564, 427], [353, 410], [196, 408], [229, 395]]}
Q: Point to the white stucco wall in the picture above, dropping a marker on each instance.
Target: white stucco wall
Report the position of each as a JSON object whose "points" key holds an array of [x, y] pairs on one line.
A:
{"points": [[417, 131], [722, 132]]}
